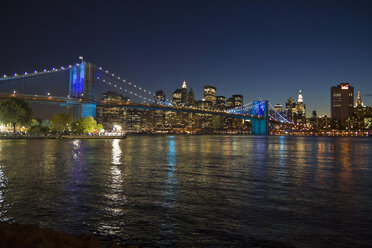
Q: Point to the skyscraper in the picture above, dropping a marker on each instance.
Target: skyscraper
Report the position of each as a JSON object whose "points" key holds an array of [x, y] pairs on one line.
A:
{"points": [[220, 102], [238, 100], [159, 97], [290, 106], [184, 93], [359, 102], [180, 95], [177, 97], [210, 94], [230, 103], [300, 110], [278, 107], [191, 97], [342, 99]]}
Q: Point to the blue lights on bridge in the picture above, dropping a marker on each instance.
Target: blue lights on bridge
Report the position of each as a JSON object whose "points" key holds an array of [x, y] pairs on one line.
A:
{"points": [[77, 77]]}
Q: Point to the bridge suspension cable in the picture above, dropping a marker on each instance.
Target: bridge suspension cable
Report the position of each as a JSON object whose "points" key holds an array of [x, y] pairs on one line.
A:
{"points": [[117, 84], [277, 112], [34, 73], [118, 79]]}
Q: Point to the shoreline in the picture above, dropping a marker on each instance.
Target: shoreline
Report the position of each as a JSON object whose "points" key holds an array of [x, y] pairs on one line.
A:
{"points": [[21, 137], [33, 236]]}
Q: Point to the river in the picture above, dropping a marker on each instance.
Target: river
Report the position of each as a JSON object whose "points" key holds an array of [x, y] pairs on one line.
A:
{"points": [[194, 191]]}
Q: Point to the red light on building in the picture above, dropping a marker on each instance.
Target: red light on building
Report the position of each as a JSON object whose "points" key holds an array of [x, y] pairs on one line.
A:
{"points": [[345, 86]]}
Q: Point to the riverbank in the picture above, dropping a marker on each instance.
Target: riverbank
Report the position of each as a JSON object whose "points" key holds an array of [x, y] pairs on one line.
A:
{"points": [[32, 236]]}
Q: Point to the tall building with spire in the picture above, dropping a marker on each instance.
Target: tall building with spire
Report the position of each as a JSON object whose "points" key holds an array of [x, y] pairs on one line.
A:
{"points": [[300, 98], [359, 114], [180, 95], [359, 102], [300, 113], [184, 93]]}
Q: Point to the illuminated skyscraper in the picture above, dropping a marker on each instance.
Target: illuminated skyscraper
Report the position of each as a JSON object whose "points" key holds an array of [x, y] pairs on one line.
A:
{"points": [[342, 99], [358, 102], [114, 97], [278, 107], [180, 95], [300, 98], [220, 102], [238, 100], [210, 94], [300, 110], [184, 93], [159, 97], [177, 97]]}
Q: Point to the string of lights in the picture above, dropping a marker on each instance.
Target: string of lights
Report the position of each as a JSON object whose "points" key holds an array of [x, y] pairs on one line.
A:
{"points": [[34, 73], [113, 76], [121, 88]]}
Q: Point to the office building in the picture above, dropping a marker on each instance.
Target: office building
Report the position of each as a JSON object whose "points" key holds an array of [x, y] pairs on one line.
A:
{"points": [[159, 97], [342, 101], [210, 94]]}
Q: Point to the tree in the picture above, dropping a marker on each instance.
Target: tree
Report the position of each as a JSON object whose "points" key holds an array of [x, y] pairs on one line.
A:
{"points": [[15, 111], [60, 122], [84, 125], [37, 128], [35, 123]]}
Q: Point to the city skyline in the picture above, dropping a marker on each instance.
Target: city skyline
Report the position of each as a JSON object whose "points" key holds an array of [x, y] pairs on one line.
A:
{"points": [[269, 50]]}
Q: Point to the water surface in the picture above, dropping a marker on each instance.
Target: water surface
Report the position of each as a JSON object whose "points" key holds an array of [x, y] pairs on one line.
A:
{"points": [[196, 191]]}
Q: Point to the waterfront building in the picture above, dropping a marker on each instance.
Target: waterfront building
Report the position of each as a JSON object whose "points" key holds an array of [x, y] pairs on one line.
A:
{"points": [[159, 118], [342, 101], [110, 116], [210, 94], [324, 122], [314, 120], [159, 97], [362, 115]]}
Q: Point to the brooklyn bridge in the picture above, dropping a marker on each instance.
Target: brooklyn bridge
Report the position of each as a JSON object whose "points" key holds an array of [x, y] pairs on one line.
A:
{"points": [[79, 87]]}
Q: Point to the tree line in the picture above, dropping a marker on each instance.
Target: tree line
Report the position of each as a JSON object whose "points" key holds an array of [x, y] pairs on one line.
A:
{"points": [[17, 112]]}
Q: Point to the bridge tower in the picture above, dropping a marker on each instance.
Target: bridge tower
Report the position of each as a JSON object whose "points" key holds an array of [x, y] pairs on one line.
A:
{"points": [[82, 90], [260, 126]]}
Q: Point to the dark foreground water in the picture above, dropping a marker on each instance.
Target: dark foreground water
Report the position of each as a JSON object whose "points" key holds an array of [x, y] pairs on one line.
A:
{"points": [[195, 191]]}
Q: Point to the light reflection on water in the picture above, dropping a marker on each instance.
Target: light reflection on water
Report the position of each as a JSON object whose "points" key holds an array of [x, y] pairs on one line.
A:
{"points": [[194, 190]]}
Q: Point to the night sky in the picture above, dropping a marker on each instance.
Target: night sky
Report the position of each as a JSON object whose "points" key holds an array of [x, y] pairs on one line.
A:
{"points": [[267, 49]]}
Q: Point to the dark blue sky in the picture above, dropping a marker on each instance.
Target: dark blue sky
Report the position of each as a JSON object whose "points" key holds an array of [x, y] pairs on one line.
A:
{"points": [[268, 49]]}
